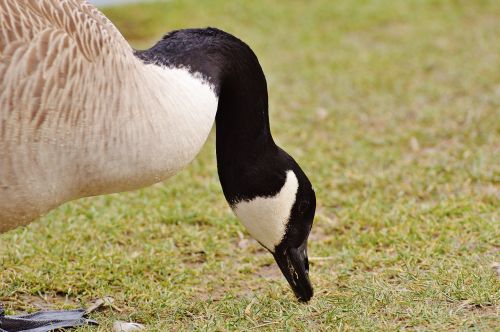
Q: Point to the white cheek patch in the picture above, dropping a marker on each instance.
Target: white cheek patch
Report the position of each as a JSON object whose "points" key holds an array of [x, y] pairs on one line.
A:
{"points": [[266, 217]]}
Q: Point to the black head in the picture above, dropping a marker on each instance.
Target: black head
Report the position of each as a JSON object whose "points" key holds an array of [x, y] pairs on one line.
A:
{"points": [[275, 201], [291, 252]]}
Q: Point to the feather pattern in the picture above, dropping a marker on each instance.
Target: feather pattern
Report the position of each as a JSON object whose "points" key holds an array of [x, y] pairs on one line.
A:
{"points": [[80, 115]]}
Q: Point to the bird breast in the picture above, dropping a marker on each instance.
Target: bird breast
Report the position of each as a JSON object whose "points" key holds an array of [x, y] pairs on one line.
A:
{"points": [[148, 127]]}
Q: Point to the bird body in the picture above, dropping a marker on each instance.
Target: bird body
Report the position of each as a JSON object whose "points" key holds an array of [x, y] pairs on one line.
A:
{"points": [[77, 121]]}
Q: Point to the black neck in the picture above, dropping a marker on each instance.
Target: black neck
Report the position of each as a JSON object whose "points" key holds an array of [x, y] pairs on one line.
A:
{"points": [[242, 116], [233, 69], [242, 120]]}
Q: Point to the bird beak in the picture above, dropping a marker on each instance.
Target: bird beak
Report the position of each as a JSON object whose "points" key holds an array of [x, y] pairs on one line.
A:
{"points": [[294, 265]]}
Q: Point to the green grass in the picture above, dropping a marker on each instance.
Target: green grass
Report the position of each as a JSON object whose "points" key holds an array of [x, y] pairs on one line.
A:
{"points": [[392, 108]]}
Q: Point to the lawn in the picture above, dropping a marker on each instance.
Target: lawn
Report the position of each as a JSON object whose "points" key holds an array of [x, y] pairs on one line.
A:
{"points": [[392, 108]]}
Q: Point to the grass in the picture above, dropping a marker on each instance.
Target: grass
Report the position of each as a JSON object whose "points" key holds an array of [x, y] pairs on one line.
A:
{"points": [[392, 108]]}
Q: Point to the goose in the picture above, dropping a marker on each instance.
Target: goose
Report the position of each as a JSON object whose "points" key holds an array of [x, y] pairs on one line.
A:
{"points": [[83, 114]]}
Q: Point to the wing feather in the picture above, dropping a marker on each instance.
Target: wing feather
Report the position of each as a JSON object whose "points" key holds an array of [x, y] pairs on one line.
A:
{"points": [[85, 26], [49, 50]]}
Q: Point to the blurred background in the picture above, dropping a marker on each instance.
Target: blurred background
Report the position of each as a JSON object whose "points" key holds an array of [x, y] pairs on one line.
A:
{"points": [[391, 107]]}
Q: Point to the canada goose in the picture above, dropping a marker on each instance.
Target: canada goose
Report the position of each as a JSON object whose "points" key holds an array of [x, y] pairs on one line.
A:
{"points": [[83, 114]]}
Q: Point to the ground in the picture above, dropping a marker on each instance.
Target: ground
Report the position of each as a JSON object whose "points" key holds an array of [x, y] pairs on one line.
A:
{"points": [[392, 108]]}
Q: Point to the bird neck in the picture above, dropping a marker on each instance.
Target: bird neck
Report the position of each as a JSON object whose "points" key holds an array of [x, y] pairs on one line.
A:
{"points": [[242, 122]]}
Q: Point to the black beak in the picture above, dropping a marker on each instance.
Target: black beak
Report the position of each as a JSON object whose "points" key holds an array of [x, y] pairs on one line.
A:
{"points": [[294, 264]]}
